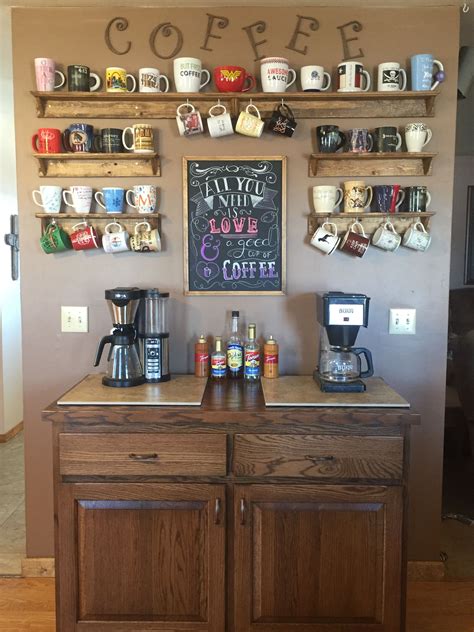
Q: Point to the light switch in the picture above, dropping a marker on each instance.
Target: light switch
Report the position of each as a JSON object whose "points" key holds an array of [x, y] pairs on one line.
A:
{"points": [[402, 321], [74, 319]]}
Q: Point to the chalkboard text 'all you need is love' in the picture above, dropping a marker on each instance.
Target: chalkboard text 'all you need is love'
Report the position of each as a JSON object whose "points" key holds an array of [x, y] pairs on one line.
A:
{"points": [[234, 219]]}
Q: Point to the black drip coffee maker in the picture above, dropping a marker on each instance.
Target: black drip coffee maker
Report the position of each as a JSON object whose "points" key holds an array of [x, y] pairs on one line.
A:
{"points": [[340, 364], [124, 367]]}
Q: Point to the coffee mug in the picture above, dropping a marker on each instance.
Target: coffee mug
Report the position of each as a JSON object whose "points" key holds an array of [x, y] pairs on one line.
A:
{"points": [[355, 241], [314, 79], [115, 238], [422, 72], [417, 237], [142, 138], [391, 77], [149, 80], [80, 198], [79, 137], [388, 197], [275, 73], [47, 141], [233, 79], [145, 239], [189, 120], [188, 73], [417, 199], [116, 80], [48, 197], [81, 79], [84, 237], [250, 124], [330, 138], [219, 124], [417, 135], [144, 198], [350, 77], [282, 121], [387, 139], [46, 73], [325, 238], [386, 237], [326, 198], [110, 140], [359, 141], [357, 196], [54, 239], [111, 199]]}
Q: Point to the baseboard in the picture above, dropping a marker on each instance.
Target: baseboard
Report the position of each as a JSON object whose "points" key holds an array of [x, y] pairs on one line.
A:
{"points": [[426, 571], [37, 567], [11, 433]]}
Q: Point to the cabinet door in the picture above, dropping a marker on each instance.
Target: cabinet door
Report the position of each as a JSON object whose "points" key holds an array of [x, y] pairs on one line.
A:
{"points": [[141, 557], [313, 558]]}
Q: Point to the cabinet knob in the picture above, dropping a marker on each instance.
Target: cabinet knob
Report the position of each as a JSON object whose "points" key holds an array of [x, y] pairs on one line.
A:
{"points": [[152, 457], [217, 511], [243, 509]]}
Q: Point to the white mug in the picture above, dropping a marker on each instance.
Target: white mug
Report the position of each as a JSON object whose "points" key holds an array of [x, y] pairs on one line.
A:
{"points": [[115, 240], [250, 124], [145, 239], [219, 124], [350, 77], [326, 198], [417, 135], [313, 79], [144, 198], [188, 72], [81, 198], [274, 73], [45, 72], [386, 237], [391, 77], [325, 238], [48, 197], [417, 237], [149, 80], [189, 120]]}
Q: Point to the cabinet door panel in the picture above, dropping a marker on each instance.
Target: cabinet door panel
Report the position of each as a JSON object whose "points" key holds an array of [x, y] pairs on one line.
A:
{"points": [[318, 558]]}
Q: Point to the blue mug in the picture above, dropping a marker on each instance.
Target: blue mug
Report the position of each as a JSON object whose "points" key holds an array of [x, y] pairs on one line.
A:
{"points": [[388, 198], [422, 72], [78, 137], [111, 198]]}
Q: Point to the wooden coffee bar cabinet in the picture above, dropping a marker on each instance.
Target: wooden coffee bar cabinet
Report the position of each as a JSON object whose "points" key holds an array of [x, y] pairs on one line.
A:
{"points": [[230, 516]]}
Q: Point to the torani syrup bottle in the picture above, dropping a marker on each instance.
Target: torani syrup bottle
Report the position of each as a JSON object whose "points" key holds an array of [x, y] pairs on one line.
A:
{"points": [[252, 355], [218, 361], [234, 349], [201, 358], [270, 358]]}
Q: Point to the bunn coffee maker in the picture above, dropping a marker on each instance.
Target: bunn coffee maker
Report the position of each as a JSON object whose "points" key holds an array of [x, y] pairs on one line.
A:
{"points": [[153, 334], [124, 367], [340, 366]]}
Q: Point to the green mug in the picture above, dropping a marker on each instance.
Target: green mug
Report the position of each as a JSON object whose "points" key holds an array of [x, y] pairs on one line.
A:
{"points": [[55, 239]]}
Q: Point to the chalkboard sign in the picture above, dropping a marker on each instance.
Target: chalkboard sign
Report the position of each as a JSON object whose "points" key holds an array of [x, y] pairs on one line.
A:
{"points": [[235, 225]]}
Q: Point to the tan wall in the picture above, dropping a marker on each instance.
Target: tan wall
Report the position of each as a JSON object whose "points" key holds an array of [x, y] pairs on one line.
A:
{"points": [[414, 365]]}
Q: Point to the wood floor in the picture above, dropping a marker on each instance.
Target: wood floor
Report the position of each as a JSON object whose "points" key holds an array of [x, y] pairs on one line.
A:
{"points": [[27, 605]]}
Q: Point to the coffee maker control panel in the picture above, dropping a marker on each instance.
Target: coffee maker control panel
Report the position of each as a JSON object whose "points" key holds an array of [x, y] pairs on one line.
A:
{"points": [[345, 314]]}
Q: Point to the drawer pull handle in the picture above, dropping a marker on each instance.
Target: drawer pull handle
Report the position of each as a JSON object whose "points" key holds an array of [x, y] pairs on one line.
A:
{"points": [[242, 511], [319, 459], [144, 458], [217, 511]]}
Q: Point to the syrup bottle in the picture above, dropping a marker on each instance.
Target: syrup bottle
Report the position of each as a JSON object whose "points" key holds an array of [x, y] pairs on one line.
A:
{"points": [[270, 358], [252, 355], [218, 361], [234, 349], [201, 358]]}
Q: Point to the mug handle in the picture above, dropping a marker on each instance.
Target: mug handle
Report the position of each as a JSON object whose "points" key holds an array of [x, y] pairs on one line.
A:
{"points": [[97, 82], [368, 81], [204, 71], [429, 136], [440, 69], [115, 223], [342, 140], [358, 225], [371, 141], [129, 201], [65, 135], [188, 105], [370, 194], [340, 194], [79, 224], [97, 143], [428, 199], [332, 226], [403, 75], [62, 79], [67, 192], [401, 197], [399, 142], [251, 106], [148, 227], [34, 143], [167, 83], [326, 76], [217, 105], [124, 135], [252, 82], [419, 226], [33, 194], [134, 83], [97, 196], [291, 81]]}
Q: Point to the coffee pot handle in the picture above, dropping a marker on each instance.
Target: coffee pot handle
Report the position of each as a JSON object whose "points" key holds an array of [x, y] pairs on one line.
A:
{"points": [[105, 340], [368, 358]]}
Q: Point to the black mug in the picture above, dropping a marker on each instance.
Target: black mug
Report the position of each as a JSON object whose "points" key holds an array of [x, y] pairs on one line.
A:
{"points": [[282, 121], [417, 199], [330, 138], [387, 139], [81, 79], [110, 141]]}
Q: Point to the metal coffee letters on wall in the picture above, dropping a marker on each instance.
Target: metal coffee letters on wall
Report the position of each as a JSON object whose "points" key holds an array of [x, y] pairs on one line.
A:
{"points": [[313, 25], [121, 24], [357, 28], [167, 29], [222, 23]]}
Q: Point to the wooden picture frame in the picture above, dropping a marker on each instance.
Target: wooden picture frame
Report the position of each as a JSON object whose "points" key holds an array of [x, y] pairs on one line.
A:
{"points": [[469, 252], [238, 205]]}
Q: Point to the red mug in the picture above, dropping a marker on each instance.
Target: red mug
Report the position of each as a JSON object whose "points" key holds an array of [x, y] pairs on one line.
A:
{"points": [[233, 79], [47, 141], [84, 238]]}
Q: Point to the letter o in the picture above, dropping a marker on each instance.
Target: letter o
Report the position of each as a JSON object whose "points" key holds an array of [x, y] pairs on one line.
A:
{"points": [[167, 30]]}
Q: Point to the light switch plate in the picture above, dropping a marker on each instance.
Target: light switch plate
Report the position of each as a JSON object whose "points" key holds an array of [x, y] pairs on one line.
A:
{"points": [[74, 319], [402, 321]]}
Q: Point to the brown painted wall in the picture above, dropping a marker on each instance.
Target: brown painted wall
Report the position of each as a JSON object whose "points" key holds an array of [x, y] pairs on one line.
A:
{"points": [[414, 365]]}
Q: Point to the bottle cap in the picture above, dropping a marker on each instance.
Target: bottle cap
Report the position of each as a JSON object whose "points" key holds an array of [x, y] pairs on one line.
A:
{"points": [[235, 313], [218, 341], [252, 329], [202, 339], [271, 341]]}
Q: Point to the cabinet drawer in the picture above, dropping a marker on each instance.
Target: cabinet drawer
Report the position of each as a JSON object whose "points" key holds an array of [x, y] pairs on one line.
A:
{"points": [[318, 456], [142, 454]]}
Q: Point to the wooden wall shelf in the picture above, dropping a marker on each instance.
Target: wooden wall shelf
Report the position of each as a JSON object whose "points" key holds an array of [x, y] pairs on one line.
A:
{"points": [[89, 165], [371, 164], [370, 221], [304, 104]]}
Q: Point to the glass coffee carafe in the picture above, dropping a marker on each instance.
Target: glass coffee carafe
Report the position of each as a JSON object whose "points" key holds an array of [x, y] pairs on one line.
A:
{"points": [[343, 364]]}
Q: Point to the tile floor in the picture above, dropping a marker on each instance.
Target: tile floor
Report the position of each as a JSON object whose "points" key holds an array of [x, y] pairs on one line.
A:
{"points": [[12, 506]]}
